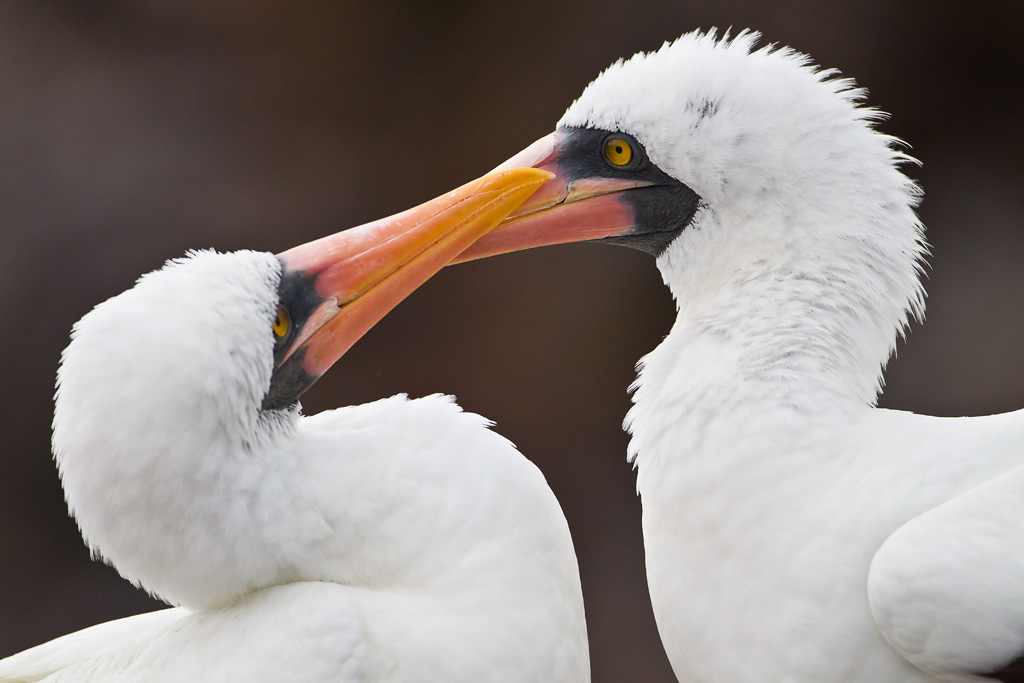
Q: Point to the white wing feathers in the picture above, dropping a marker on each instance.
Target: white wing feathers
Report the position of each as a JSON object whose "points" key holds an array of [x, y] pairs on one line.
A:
{"points": [[301, 632], [39, 662], [947, 588]]}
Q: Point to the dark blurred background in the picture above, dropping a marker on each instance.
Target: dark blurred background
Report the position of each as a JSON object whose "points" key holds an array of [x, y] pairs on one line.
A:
{"points": [[133, 130]]}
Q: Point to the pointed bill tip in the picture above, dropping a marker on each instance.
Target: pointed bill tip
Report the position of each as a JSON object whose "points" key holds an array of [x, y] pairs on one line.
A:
{"points": [[360, 274]]}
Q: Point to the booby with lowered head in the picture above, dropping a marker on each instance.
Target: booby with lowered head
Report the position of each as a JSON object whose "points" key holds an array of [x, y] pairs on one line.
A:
{"points": [[793, 530], [400, 540]]}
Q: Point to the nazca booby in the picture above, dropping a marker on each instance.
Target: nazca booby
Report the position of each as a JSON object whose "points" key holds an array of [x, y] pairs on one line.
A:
{"points": [[400, 540], [793, 530]]}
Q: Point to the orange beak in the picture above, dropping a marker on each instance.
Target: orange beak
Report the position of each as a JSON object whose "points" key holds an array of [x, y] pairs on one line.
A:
{"points": [[557, 213], [351, 279]]}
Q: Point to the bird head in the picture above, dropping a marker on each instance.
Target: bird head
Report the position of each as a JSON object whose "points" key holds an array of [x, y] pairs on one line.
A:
{"points": [[760, 150], [773, 205], [235, 336], [189, 379]]}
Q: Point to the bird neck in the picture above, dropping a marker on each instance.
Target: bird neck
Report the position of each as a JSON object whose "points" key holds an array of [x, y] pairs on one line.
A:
{"points": [[779, 312], [396, 493], [176, 506]]}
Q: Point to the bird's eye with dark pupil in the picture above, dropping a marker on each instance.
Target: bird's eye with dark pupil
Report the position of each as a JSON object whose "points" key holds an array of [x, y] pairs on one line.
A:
{"points": [[282, 323], [617, 151]]}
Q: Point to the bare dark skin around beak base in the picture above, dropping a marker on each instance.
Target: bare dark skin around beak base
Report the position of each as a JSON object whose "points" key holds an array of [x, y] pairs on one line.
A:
{"points": [[661, 209]]}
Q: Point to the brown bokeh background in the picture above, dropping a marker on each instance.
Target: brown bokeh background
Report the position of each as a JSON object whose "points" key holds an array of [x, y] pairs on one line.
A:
{"points": [[133, 130]]}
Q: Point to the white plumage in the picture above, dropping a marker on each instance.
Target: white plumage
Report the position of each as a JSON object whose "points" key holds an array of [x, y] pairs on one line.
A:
{"points": [[793, 530], [400, 540], [769, 480]]}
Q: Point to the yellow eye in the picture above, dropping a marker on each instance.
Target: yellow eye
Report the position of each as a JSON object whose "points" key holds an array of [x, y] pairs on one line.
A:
{"points": [[618, 151], [283, 323]]}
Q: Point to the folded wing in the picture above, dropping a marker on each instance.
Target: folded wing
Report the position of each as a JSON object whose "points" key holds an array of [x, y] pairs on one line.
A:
{"points": [[947, 588], [301, 632]]}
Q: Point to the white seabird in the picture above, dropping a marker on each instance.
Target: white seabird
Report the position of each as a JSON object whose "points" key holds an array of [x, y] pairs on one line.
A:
{"points": [[793, 530], [399, 540]]}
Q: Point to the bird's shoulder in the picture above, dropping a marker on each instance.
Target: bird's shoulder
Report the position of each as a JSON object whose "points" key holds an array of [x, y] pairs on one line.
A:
{"points": [[430, 426]]}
